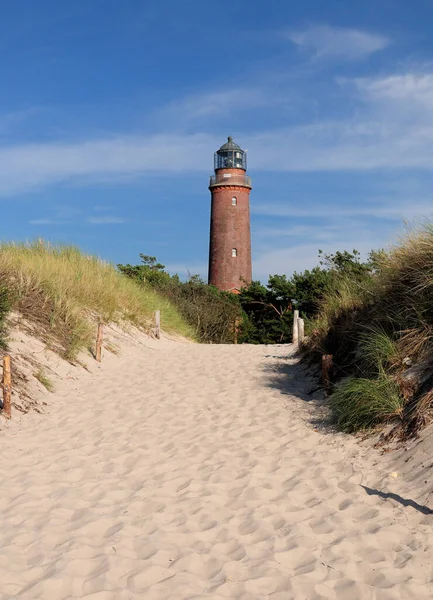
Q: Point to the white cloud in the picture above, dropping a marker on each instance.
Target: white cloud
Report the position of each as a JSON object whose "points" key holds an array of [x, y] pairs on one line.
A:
{"points": [[44, 222], [329, 146], [407, 88], [325, 42], [107, 220], [381, 208], [30, 166], [217, 104]]}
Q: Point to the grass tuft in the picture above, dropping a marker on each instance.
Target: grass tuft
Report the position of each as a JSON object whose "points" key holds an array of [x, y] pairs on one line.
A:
{"points": [[359, 403], [378, 351], [42, 377]]}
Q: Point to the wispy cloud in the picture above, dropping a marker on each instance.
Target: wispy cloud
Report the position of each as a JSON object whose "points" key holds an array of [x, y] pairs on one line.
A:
{"points": [[31, 166], [107, 220], [328, 146], [203, 107], [325, 42], [407, 88], [45, 222], [388, 208]]}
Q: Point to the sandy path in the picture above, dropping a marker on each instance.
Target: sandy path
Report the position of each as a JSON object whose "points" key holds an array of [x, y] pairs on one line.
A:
{"points": [[182, 471]]}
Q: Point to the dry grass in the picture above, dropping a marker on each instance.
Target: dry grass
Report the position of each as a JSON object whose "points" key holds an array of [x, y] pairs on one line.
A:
{"points": [[62, 291]]}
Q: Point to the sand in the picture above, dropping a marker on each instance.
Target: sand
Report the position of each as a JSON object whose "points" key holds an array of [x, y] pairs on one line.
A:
{"points": [[178, 471]]}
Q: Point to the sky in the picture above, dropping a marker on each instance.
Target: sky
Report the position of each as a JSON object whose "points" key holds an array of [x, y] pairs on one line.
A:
{"points": [[111, 111]]}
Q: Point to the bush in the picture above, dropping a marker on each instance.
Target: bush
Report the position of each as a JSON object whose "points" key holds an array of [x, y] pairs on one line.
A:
{"points": [[211, 313]]}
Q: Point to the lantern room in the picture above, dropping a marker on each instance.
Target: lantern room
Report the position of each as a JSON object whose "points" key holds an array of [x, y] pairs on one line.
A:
{"points": [[230, 156]]}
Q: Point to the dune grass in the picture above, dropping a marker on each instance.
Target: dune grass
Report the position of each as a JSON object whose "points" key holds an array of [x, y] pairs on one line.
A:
{"points": [[362, 403], [380, 334], [378, 351], [63, 291]]}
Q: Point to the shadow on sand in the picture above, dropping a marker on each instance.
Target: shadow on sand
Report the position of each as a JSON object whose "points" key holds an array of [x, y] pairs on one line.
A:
{"points": [[425, 510], [292, 378]]}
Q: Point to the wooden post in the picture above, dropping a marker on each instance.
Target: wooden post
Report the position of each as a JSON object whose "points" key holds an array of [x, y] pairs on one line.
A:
{"points": [[98, 354], [7, 384], [327, 368], [158, 324], [295, 326], [237, 323], [301, 333]]}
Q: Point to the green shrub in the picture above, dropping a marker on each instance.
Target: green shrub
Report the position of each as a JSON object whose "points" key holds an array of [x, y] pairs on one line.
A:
{"points": [[210, 312]]}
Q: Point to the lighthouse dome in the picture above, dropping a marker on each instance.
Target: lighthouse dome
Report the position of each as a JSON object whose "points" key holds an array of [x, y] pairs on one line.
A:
{"points": [[230, 156]]}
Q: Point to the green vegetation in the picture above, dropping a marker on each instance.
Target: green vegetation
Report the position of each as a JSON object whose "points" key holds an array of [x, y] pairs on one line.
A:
{"points": [[265, 313], [209, 312], [269, 309], [378, 325], [61, 292], [359, 403], [268, 316], [42, 377]]}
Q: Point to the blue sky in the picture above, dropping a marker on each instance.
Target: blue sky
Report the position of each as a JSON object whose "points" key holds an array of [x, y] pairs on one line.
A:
{"points": [[111, 110]]}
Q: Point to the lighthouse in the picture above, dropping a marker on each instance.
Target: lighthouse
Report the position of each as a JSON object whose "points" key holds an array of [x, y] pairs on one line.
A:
{"points": [[230, 235]]}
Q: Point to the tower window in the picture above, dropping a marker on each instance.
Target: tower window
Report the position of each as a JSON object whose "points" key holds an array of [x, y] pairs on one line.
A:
{"points": [[234, 252], [234, 201]]}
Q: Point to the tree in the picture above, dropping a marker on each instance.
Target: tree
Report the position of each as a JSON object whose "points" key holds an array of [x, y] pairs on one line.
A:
{"points": [[149, 271], [269, 311]]}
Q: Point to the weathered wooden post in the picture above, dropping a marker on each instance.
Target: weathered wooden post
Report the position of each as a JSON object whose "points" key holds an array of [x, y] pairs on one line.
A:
{"points": [[158, 324], [301, 331], [236, 330], [99, 336], [295, 326], [327, 368], [7, 384]]}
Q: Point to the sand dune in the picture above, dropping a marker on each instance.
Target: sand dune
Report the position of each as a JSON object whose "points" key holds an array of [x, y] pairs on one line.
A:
{"points": [[180, 471]]}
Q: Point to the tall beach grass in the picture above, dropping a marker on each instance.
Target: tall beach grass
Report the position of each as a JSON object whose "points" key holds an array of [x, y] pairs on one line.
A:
{"points": [[381, 337], [63, 292]]}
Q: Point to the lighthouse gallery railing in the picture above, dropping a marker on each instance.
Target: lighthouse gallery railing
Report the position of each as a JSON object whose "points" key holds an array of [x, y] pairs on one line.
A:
{"points": [[229, 179]]}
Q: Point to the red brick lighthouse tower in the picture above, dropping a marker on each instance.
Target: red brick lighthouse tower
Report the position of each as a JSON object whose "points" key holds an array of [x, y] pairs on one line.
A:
{"points": [[230, 237]]}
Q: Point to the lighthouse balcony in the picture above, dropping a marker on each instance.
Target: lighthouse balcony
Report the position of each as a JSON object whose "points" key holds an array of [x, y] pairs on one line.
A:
{"points": [[230, 179]]}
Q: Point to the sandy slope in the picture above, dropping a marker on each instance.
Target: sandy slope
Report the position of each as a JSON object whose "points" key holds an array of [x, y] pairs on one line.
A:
{"points": [[180, 471]]}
